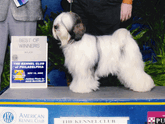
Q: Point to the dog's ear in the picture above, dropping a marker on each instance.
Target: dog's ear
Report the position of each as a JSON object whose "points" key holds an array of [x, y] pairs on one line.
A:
{"points": [[78, 29]]}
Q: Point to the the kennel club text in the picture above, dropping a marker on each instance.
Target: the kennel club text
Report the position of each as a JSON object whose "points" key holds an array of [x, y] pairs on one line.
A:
{"points": [[94, 121], [91, 120], [23, 65]]}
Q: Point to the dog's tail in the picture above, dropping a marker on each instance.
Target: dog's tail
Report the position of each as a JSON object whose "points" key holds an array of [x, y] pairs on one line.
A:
{"points": [[131, 66], [129, 49]]}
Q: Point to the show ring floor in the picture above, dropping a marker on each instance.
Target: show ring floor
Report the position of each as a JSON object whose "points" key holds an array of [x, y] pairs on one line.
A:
{"points": [[64, 93]]}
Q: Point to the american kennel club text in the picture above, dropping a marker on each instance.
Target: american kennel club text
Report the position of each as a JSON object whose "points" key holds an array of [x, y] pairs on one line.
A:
{"points": [[23, 115], [9, 117], [32, 118]]}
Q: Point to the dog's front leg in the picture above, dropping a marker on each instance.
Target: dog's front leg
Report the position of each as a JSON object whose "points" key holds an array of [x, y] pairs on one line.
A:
{"points": [[84, 82]]}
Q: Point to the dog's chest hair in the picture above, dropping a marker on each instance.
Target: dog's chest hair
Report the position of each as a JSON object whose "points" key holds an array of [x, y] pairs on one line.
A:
{"points": [[82, 52]]}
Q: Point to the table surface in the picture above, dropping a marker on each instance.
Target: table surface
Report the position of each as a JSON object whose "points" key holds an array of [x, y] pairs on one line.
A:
{"points": [[55, 93]]}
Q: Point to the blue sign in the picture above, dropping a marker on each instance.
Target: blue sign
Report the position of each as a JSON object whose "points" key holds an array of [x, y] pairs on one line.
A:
{"points": [[28, 72]]}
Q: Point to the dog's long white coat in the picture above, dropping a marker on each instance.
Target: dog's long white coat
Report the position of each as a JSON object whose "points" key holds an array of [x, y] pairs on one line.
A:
{"points": [[120, 55], [117, 54]]}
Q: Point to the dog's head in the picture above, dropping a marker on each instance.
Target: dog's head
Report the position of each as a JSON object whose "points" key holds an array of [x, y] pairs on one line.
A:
{"points": [[67, 27]]}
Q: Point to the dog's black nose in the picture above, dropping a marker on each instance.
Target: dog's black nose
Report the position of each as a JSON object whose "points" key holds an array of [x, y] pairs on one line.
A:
{"points": [[55, 26]]}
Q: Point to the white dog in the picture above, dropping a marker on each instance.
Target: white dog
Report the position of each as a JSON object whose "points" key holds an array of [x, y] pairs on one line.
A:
{"points": [[117, 54]]}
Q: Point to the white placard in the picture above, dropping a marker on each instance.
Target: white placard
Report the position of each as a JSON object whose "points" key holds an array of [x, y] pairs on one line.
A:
{"points": [[28, 62], [21, 115], [91, 120]]}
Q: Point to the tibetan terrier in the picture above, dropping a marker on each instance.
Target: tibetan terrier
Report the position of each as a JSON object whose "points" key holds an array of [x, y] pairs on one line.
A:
{"points": [[117, 54]]}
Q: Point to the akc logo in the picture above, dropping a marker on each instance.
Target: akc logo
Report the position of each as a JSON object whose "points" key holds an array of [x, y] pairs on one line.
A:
{"points": [[8, 117]]}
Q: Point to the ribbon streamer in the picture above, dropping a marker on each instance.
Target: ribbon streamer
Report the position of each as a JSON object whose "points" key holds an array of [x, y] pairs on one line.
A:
{"points": [[20, 2]]}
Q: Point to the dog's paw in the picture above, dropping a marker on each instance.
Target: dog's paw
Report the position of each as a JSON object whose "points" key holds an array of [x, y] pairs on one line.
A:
{"points": [[144, 89], [84, 87], [80, 90], [144, 85]]}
